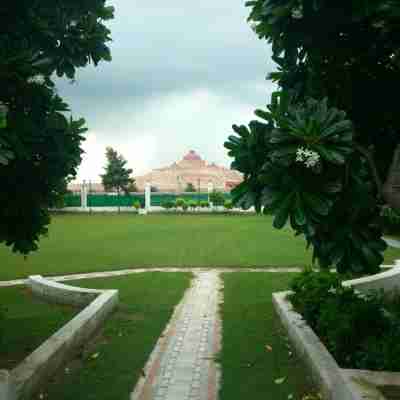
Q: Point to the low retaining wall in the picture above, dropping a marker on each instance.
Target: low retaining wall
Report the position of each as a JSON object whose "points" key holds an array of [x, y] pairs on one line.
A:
{"points": [[334, 382], [24, 380], [60, 293], [325, 372], [388, 281]]}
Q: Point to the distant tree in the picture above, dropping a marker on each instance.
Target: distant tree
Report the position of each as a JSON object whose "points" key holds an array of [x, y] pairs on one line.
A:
{"points": [[117, 176], [39, 145], [190, 188], [132, 188]]}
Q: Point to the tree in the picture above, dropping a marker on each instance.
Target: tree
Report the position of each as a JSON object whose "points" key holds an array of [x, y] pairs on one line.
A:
{"points": [[190, 188], [116, 176], [327, 145], [132, 188], [39, 145]]}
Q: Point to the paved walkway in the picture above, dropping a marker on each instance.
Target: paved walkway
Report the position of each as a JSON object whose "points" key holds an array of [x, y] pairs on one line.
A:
{"points": [[182, 365]]}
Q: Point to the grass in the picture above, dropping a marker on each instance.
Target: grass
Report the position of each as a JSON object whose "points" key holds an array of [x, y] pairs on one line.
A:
{"points": [[28, 323], [109, 367], [84, 243], [250, 369]]}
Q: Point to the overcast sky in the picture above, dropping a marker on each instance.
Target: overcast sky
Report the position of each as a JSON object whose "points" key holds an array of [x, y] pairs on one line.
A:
{"points": [[182, 73]]}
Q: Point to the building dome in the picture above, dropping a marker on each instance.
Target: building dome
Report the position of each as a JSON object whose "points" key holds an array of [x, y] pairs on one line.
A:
{"points": [[192, 156], [190, 169]]}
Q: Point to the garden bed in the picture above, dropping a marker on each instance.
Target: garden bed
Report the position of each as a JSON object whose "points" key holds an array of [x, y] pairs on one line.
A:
{"points": [[23, 380], [359, 327]]}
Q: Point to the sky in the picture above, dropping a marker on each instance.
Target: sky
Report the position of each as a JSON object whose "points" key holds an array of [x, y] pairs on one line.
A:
{"points": [[182, 73]]}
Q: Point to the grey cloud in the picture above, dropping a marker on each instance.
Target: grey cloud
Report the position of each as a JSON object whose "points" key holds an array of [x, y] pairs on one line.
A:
{"points": [[171, 51]]}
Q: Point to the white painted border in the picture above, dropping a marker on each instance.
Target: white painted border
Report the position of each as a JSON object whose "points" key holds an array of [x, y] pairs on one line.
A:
{"points": [[388, 281], [23, 380]]}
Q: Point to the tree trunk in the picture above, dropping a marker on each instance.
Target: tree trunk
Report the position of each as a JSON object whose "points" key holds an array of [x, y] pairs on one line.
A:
{"points": [[391, 188]]}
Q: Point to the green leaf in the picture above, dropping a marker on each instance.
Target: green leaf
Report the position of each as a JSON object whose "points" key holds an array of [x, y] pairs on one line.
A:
{"points": [[282, 213], [317, 203], [329, 155], [298, 213]]}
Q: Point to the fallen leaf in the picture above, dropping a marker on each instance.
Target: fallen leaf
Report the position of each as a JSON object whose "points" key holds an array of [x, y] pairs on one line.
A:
{"points": [[279, 381], [94, 356], [268, 347]]}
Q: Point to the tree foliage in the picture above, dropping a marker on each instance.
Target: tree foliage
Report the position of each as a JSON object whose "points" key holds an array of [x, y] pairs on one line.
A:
{"points": [[116, 176], [39, 145], [190, 188], [317, 156]]}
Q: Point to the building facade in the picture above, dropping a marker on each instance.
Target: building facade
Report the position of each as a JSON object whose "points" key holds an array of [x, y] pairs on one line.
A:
{"points": [[191, 169], [175, 177]]}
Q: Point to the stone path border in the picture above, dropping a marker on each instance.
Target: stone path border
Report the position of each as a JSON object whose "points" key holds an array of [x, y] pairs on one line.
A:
{"points": [[107, 274], [37, 367], [182, 366], [392, 242]]}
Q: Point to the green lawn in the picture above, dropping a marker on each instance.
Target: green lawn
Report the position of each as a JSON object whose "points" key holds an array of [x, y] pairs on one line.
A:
{"points": [[28, 322], [109, 367], [250, 369], [84, 243]]}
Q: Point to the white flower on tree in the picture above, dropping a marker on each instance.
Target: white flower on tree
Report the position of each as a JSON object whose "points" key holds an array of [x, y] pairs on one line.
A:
{"points": [[308, 157], [39, 79]]}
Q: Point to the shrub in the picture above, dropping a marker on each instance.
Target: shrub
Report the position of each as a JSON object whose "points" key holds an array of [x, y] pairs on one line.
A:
{"points": [[228, 205], [136, 204], [168, 204], [185, 206], [358, 330], [179, 202], [204, 204], [217, 198], [309, 290], [390, 220], [192, 204]]}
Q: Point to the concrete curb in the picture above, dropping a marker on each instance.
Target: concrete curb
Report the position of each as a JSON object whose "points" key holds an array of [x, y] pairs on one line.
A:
{"points": [[55, 292], [24, 380], [388, 281], [324, 370]]}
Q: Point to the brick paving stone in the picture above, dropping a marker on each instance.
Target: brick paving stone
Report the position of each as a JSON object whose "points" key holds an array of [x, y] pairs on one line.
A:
{"points": [[184, 355]]}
